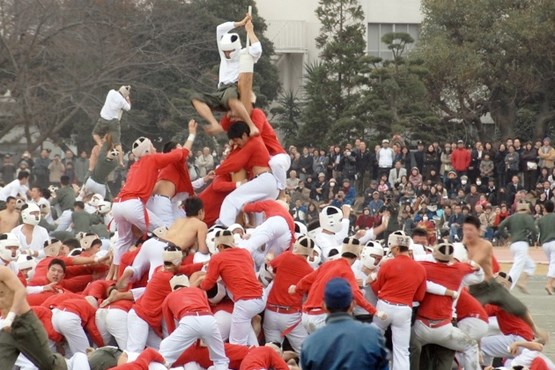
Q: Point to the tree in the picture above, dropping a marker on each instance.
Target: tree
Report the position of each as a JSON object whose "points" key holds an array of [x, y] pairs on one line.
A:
{"points": [[286, 117], [492, 57], [60, 58], [333, 86]]}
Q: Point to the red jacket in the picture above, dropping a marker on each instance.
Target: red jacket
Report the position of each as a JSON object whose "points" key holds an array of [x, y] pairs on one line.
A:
{"points": [[141, 363], [178, 174], [266, 130], [289, 269], [263, 358], [272, 208], [252, 154], [461, 159], [315, 284], [213, 196], [87, 313]]}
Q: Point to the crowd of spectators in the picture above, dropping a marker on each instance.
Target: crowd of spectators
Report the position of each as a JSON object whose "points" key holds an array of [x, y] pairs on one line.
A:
{"points": [[432, 186]]}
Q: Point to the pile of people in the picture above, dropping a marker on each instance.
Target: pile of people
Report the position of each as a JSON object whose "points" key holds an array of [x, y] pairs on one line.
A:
{"points": [[216, 273]]}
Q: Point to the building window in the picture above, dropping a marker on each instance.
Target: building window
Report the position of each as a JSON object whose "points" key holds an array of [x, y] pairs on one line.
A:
{"points": [[376, 30]]}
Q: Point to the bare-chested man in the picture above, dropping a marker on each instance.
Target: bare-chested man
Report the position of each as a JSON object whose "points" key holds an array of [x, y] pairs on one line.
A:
{"points": [[186, 233], [21, 330], [9, 218], [490, 291]]}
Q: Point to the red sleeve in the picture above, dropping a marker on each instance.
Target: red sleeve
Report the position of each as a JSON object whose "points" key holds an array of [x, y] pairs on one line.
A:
{"points": [[212, 274], [223, 184], [225, 122], [421, 291], [235, 162], [258, 118], [276, 262], [305, 283], [468, 158], [260, 206], [276, 362], [168, 316], [491, 309], [189, 268], [161, 160], [378, 283], [141, 363]]}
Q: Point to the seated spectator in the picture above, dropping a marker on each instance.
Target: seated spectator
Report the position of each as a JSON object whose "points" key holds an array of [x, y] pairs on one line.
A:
{"points": [[415, 178], [365, 221], [376, 204]]}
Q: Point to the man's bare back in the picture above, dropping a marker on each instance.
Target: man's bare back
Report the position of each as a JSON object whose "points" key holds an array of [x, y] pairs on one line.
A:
{"points": [[481, 252], [188, 232], [8, 220]]}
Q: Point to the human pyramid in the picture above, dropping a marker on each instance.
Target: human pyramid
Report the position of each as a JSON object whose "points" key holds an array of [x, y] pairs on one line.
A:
{"points": [[202, 281]]}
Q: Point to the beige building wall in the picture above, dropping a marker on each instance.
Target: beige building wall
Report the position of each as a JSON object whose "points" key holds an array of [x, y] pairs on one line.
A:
{"points": [[293, 26]]}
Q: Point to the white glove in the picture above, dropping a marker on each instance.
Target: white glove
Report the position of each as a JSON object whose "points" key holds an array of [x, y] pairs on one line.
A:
{"points": [[8, 321], [381, 315]]}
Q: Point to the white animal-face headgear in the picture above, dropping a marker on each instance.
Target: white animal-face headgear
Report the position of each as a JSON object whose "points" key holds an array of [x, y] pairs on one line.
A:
{"points": [[231, 42]]}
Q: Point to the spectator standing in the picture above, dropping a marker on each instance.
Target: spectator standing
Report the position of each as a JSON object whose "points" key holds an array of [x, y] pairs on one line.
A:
{"points": [[431, 162], [500, 168], [461, 159], [385, 158], [363, 161], [68, 157], [205, 162], [335, 161], [305, 164], [56, 169], [475, 160], [445, 159], [529, 164], [40, 169], [547, 154], [8, 169], [321, 161], [487, 168], [81, 167], [512, 162], [348, 165], [418, 156]]}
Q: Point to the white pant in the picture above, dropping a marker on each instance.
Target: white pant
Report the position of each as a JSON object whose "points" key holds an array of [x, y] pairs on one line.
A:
{"points": [[280, 164], [313, 322], [93, 187], [140, 334], [112, 324], [549, 250], [78, 361], [399, 319], [273, 233], [243, 312], [223, 318], [450, 337], [276, 323], [126, 214], [521, 260], [496, 346], [473, 327], [162, 207], [68, 324], [148, 258], [64, 221], [189, 330], [259, 188]]}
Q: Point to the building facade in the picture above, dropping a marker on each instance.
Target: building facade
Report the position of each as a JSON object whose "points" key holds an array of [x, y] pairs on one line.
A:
{"points": [[293, 27]]}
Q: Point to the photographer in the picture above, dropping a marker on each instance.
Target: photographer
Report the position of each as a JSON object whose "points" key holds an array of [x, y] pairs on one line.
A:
{"points": [[348, 164]]}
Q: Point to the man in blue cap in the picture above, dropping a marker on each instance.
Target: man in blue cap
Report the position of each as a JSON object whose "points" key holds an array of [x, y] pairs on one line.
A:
{"points": [[343, 343]]}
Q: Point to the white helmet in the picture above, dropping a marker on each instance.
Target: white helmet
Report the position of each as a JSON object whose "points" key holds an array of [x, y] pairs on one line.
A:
{"points": [[220, 293], [417, 249], [26, 214], [316, 258], [369, 262], [8, 241], [231, 42], [179, 280], [104, 207], [53, 189], [160, 232], [399, 238], [330, 219], [19, 203], [300, 229], [112, 154], [141, 146], [96, 200], [210, 239], [52, 247], [265, 275], [25, 262], [89, 240], [460, 253]]}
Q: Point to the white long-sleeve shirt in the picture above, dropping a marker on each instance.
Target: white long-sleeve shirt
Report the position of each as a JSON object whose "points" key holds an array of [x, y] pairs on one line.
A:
{"points": [[114, 106], [13, 189], [229, 68]]}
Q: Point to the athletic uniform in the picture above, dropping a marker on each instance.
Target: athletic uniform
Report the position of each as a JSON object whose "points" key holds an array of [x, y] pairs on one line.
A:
{"points": [[276, 233], [189, 306], [400, 282], [129, 207], [280, 161], [283, 317], [314, 283], [96, 183], [259, 187], [236, 268]]}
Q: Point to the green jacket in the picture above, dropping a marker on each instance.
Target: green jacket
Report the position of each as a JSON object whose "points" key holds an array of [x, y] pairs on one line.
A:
{"points": [[521, 226], [546, 224], [65, 197]]}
